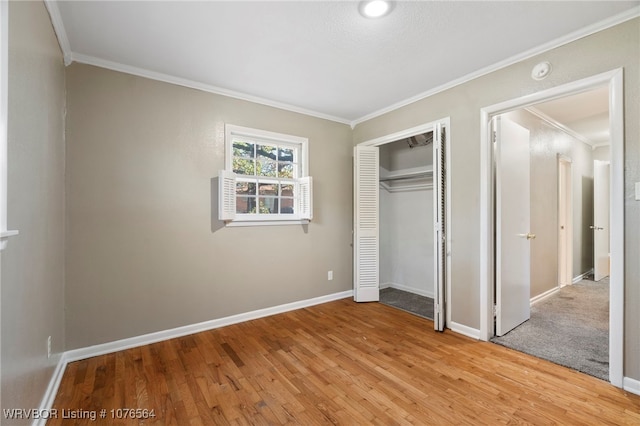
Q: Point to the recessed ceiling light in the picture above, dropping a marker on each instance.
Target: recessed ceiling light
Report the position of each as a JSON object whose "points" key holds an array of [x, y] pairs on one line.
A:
{"points": [[375, 8]]}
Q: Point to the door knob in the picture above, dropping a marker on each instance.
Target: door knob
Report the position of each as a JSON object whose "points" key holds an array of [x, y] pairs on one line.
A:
{"points": [[528, 236], [596, 228]]}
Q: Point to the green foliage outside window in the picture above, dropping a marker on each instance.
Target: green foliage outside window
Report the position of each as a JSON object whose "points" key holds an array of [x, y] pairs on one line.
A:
{"points": [[262, 160], [263, 166]]}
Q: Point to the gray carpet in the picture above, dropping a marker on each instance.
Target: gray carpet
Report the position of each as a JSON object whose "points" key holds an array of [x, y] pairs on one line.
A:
{"points": [[570, 328], [419, 305]]}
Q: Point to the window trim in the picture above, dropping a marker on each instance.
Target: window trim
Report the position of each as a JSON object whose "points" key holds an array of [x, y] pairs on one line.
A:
{"points": [[301, 144]]}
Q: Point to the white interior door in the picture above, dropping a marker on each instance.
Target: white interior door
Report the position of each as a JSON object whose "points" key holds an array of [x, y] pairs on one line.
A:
{"points": [[439, 215], [513, 236], [565, 221], [366, 224], [600, 219]]}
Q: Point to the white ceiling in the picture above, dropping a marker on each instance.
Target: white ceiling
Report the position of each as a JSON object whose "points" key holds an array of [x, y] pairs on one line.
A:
{"points": [[321, 57]]}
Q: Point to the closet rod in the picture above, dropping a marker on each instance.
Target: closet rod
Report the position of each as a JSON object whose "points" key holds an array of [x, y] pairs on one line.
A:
{"points": [[408, 176]]}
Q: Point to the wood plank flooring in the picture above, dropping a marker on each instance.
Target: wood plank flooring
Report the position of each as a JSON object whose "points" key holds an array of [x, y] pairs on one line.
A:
{"points": [[337, 363]]}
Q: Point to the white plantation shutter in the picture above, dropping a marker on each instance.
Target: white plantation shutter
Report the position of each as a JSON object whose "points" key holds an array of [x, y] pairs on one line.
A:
{"points": [[226, 195], [305, 200], [366, 224]]}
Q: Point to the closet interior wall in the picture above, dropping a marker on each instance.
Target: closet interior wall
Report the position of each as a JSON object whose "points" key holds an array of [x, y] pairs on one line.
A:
{"points": [[406, 218]]}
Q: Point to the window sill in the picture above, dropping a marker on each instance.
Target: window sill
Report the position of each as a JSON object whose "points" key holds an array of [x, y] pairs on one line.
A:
{"points": [[238, 223]]}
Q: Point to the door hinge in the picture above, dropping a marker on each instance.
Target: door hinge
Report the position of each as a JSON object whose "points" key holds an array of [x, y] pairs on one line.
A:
{"points": [[495, 311], [436, 308]]}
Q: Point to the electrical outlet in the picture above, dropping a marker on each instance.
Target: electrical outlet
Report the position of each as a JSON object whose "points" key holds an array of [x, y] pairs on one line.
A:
{"points": [[330, 275], [49, 347]]}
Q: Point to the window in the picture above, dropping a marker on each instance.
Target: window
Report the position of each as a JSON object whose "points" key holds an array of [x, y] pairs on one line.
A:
{"points": [[265, 178]]}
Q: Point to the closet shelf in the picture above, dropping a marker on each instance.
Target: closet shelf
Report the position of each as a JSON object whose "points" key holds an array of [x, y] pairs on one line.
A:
{"points": [[414, 173], [405, 176], [415, 179]]}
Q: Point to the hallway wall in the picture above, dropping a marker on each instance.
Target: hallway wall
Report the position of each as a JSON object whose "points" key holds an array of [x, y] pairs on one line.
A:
{"points": [[547, 142]]}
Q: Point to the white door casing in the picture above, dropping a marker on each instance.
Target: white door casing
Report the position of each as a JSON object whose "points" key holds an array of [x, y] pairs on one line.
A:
{"points": [[366, 225], [614, 80], [600, 225], [513, 235]]}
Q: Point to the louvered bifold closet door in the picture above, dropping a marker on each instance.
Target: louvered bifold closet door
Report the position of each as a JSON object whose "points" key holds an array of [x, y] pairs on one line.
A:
{"points": [[366, 224], [439, 204]]}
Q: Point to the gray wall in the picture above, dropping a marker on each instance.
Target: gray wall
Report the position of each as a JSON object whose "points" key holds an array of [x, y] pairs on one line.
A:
{"points": [[613, 48], [546, 143], [145, 251], [33, 262]]}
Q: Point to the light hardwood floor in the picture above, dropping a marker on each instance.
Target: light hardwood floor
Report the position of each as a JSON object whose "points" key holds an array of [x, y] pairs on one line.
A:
{"points": [[337, 363]]}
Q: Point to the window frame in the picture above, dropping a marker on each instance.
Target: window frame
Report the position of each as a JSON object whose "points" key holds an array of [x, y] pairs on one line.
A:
{"points": [[300, 144]]}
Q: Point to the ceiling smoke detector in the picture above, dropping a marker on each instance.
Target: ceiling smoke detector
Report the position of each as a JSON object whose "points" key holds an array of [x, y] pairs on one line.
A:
{"points": [[541, 71]]}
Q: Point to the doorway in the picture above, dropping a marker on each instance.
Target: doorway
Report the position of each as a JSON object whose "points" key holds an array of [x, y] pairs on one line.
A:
{"points": [[489, 273], [367, 207], [406, 224], [568, 326]]}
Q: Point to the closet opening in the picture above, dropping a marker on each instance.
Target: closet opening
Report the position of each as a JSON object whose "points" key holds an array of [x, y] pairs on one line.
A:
{"points": [[400, 221], [406, 224]]}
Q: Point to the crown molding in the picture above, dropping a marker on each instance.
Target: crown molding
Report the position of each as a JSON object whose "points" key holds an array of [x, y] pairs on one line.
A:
{"points": [[192, 84], [554, 123], [70, 56], [600, 145], [58, 28], [561, 41]]}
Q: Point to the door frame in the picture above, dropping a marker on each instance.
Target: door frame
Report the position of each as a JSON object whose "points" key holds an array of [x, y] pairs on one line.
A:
{"points": [[614, 80], [565, 200], [413, 131]]}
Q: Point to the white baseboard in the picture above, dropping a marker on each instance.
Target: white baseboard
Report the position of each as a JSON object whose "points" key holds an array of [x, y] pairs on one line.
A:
{"points": [[631, 385], [544, 295], [146, 339], [52, 390], [410, 289], [581, 276], [474, 333]]}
